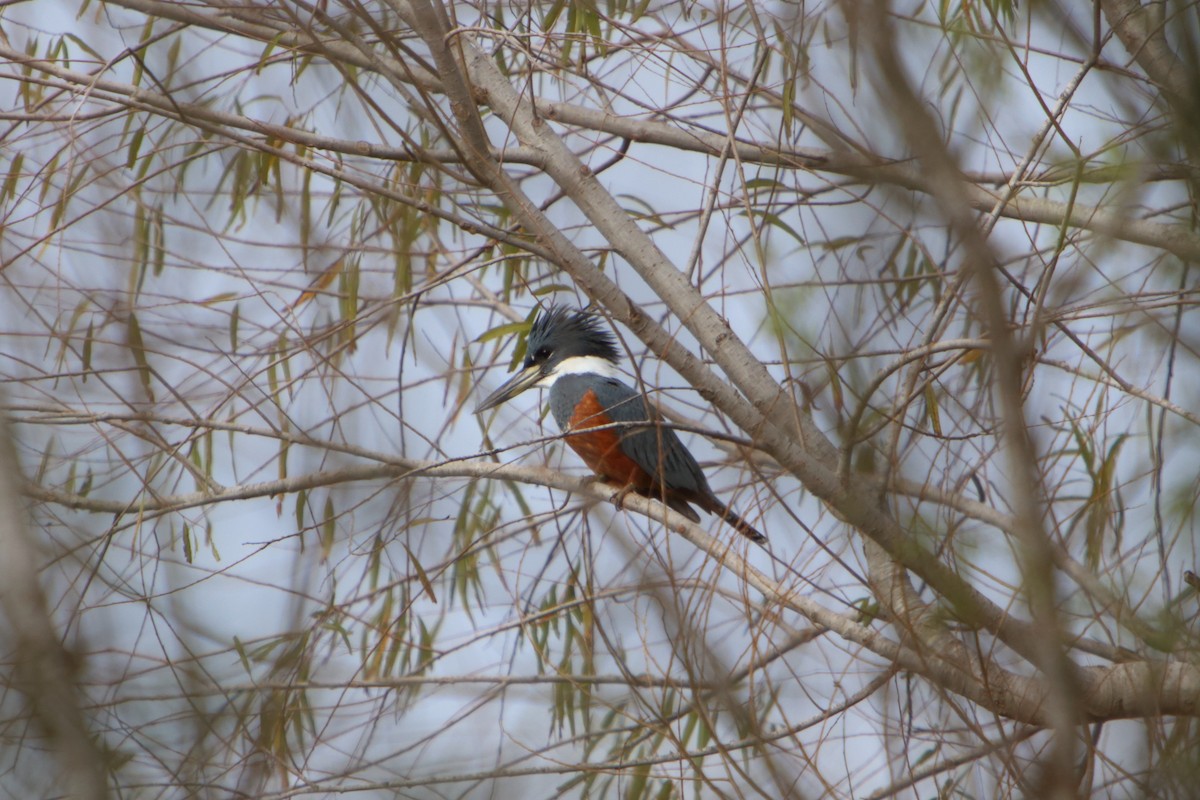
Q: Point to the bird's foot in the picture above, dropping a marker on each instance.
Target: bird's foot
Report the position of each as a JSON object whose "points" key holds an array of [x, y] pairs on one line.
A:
{"points": [[622, 491]]}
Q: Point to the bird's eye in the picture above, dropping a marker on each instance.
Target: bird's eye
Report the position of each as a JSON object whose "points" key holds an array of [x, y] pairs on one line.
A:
{"points": [[542, 354]]}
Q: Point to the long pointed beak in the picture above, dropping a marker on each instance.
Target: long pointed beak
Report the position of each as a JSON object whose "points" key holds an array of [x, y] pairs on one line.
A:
{"points": [[518, 383]]}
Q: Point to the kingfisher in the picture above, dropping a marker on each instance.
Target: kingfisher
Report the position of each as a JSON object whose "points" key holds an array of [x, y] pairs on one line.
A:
{"points": [[610, 425]]}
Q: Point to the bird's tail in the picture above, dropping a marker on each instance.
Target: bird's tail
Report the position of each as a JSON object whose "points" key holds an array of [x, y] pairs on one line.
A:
{"points": [[712, 505], [735, 520]]}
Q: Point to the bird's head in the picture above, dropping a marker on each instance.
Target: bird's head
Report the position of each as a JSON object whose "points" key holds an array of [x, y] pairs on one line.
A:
{"points": [[561, 342]]}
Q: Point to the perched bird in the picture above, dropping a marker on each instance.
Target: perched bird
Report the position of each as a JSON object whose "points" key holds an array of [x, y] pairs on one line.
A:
{"points": [[613, 428]]}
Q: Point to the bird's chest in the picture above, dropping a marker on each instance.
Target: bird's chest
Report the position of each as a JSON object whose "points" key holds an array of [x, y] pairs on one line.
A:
{"points": [[594, 433]]}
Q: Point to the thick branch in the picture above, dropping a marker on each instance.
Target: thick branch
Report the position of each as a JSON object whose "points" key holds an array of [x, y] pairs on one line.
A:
{"points": [[43, 668], [1117, 692]]}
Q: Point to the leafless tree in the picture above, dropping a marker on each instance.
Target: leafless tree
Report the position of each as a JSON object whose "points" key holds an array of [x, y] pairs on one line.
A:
{"points": [[914, 281]]}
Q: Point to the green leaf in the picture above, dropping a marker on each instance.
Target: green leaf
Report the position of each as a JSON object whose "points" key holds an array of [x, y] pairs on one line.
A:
{"points": [[301, 502], [501, 331], [137, 348], [135, 144], [14, 175], [552, 15], [931, 405], [188, 553], [233, 326], [421, 576], [328, 529], [88, 340], [637, 786]]}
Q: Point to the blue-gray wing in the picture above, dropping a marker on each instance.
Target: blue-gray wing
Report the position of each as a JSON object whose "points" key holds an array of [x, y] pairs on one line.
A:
{"points": [[654, 448]]}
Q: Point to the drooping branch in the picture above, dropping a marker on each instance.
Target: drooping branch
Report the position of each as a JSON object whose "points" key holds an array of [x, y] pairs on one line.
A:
{"points": [[1175, 239]]}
